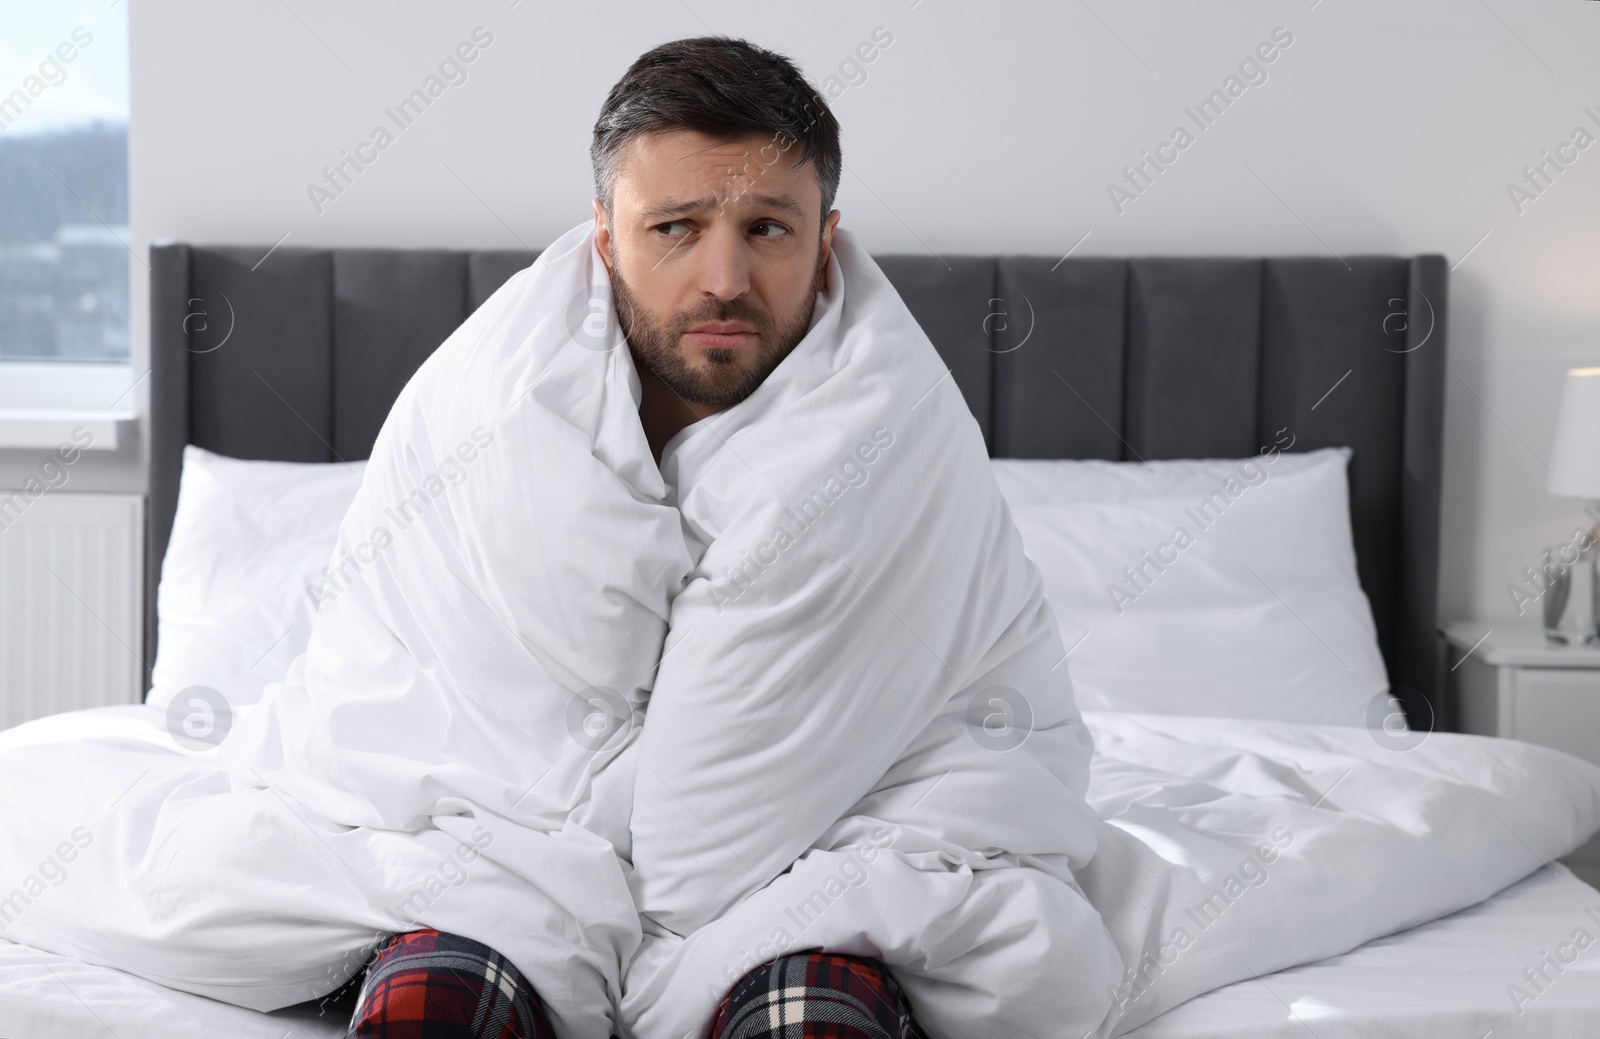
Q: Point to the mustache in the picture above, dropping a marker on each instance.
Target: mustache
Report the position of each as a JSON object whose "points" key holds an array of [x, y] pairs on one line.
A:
{"points": [[736, 309]]}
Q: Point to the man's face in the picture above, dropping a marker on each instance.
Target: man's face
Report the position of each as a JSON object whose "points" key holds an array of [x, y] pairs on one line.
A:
{"points": [[716, 251]]}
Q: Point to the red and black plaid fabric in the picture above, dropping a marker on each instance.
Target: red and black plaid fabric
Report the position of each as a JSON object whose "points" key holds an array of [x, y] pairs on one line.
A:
{"points": [[430, 985], [817, 995]]}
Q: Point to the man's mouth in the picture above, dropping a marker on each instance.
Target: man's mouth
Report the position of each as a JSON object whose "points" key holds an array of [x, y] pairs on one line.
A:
{"points": [[721, 335]]}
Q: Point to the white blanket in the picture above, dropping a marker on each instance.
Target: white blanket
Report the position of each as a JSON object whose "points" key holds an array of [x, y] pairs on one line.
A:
{"points": [[862, 736], [453, 749], [860, 731], [1263, 843], [1234, 849]]}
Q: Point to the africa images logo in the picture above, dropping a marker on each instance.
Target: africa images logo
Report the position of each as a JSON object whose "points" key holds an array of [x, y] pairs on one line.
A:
{"points": [[199, 718]]}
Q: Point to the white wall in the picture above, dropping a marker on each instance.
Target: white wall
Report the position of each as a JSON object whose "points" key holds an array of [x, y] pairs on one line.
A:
{"points": [[984, 127]]}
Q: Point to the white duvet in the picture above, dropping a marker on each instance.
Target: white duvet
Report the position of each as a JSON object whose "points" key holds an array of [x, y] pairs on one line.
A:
{"points": [[1232, 849], [643, 729]]}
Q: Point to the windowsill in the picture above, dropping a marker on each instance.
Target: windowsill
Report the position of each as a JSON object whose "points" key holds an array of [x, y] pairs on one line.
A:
{"points": [[49, 427], [45, 405]]}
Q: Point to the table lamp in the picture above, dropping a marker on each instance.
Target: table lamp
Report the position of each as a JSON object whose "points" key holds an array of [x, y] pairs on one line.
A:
{"points": [[1570, 606]]}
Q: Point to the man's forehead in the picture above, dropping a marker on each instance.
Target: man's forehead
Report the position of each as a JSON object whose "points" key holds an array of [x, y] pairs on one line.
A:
{"points": [[691, 150], [685, 164]]}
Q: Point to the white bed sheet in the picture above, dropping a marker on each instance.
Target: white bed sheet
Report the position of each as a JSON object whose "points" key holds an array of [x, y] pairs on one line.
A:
{"points": [[1448, 979], [45, 996]]}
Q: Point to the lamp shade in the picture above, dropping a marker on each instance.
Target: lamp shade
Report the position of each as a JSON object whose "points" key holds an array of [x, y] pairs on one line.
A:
{"points": [[1576, 454]]}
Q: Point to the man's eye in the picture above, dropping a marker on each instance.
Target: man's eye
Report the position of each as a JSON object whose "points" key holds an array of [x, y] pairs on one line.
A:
{"points": [[682, 228], [769, 229]]}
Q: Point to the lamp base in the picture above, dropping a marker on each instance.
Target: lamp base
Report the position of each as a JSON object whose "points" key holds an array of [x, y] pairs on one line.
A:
{"points": [[1572, 590]]}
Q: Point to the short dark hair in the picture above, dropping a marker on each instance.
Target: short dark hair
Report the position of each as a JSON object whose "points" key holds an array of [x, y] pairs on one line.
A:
{"points": [[722, 87]]}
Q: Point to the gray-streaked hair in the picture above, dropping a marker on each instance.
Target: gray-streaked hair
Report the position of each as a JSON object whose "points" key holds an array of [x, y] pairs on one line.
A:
{"points": [[724, 88]]}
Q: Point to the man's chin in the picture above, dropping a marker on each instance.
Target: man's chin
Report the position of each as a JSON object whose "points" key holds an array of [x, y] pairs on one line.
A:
{"points": [[722, 392], [713, 384], [718, 357]]}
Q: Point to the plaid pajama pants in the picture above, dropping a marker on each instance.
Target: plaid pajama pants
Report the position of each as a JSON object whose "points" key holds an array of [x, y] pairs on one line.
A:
{"points": [[428, 985], [817, 995], [431, 985]]}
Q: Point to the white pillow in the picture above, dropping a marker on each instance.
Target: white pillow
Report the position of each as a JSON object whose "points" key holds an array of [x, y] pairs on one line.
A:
{"points": [[1253, 611], [249, 543], [1054, 481]]}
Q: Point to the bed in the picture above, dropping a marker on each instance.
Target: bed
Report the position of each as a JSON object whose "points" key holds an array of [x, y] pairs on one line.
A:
{"points": [[296, 357]]}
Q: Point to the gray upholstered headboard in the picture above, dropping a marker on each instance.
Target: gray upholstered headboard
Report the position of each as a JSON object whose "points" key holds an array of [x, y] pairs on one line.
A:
{"points": [[298, 357]]}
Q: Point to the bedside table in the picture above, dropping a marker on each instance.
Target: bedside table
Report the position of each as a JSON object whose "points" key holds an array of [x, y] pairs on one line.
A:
{"points": [[1516, 684], [1507, 680]]}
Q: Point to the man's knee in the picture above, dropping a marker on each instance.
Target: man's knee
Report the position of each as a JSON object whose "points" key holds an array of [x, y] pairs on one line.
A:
{"points": [[852, 993], [443, 986]]}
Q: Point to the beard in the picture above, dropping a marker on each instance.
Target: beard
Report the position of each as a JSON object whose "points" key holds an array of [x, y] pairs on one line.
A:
{"points": [[723, 380]]}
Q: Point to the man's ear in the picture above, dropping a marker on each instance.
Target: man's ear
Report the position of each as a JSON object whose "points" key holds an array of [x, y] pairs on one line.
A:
{"points": [[602, 234], [823, 254]]}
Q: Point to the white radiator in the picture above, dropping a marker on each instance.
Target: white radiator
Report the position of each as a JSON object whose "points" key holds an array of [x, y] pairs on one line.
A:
{"points": [[71, 602]]}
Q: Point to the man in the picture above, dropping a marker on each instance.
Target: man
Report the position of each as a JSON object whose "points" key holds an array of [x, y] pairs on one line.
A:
{"points": [[763, 887], [715, 222]]}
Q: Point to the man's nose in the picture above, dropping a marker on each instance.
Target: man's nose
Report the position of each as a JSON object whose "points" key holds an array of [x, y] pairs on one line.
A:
{"points": [[725, 264]]}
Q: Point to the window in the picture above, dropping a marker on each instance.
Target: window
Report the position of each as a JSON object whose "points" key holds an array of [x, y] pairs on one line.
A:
{"points": [[64, 242]]}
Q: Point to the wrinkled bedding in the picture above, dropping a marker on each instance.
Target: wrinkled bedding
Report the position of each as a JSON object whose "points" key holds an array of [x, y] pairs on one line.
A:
{"points": [[1327, 837], [641, 729], [1233, 849]]}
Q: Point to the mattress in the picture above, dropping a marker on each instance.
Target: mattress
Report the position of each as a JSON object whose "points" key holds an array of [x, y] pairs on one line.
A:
{"points": [[1461, 976], [44, 996], [1449, 979]]}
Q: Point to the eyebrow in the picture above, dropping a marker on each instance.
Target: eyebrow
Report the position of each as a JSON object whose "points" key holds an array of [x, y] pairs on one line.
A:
{"points": [[680, 207]]}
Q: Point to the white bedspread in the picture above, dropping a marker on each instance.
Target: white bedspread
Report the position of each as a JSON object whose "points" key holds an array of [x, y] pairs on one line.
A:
{"points": [[1235, 849], [1360, 841], [47, 996], [1459, 977]]}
